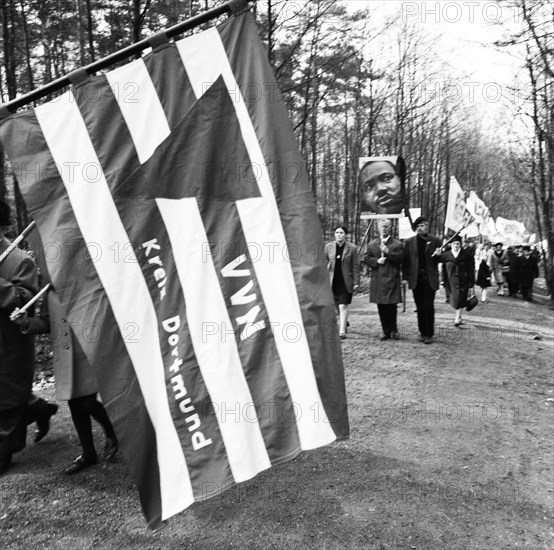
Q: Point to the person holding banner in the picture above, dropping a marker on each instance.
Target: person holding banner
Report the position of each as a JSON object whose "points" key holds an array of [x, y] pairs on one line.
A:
{"points": [[384, 257], [459, 265], [18, 284], [75, 379], [344, 271], [421, 258]]}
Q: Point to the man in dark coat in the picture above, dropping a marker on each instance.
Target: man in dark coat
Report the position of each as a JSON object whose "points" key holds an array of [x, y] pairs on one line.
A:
{"points": [[384, 257], [18, 284], [420, 267], [514, 257], [528, 272]]}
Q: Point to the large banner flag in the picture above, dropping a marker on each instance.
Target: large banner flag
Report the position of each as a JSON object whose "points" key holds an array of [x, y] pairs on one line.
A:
{"points": [[457, 214], [510, 231], [480, 213], [181, 235]]}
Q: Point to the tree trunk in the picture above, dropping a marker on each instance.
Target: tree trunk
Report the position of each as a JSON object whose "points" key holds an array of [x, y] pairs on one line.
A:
{"points": [[8, 34], [27, 48]]}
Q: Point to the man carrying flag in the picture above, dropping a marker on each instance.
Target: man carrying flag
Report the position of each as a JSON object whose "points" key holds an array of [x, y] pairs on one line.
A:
{"points": [[420, 269], [18, 284]]}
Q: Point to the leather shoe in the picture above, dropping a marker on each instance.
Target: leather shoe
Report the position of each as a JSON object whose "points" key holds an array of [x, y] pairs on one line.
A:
{"points": [[110, 448], [394, 335], [5, 461], [385, 337], [428, 340], [43, 421], [80, 463]]}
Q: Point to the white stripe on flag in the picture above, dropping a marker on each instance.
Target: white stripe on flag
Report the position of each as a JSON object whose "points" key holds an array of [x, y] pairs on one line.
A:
{"points": [[205, 59], [140, 106], [217, 354], [100, 224]]}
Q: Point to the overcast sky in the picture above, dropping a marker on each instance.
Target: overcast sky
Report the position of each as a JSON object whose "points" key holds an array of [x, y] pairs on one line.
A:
{"points": [[486, 77]]}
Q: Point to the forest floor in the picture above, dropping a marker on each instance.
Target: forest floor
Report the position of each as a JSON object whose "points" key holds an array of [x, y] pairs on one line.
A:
{"points": [[451, 448]]}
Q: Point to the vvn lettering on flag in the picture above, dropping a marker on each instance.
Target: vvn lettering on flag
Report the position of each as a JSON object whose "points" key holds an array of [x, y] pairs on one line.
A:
{"points": [[184, 245]]}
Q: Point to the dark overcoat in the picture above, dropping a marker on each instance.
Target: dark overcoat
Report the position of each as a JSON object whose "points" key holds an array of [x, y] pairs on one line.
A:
{"points": [[411, 261], [385, 283], [460, 271], [528, 271], [18, 284]]}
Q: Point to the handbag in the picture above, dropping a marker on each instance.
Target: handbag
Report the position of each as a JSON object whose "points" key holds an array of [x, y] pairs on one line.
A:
{"points": [[472, 301]]}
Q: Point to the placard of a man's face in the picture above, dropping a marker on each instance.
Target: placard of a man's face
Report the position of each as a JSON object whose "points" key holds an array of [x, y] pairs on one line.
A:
{"points": [[380, 187]]}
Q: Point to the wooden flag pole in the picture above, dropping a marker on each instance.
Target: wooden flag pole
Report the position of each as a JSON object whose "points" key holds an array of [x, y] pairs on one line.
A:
{"points": [[366, 234], [380, 238], [17, 241], [30, 302], [455, 235]]}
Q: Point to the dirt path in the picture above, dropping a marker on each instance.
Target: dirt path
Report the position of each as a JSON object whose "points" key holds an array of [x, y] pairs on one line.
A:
{"points": [[451, 448]]}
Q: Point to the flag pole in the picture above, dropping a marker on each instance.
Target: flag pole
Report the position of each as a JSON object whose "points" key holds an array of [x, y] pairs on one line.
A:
{"points": [[456, 234], [366, 234], [232, 6], [31, 301], [16, 241], [380, 237]]}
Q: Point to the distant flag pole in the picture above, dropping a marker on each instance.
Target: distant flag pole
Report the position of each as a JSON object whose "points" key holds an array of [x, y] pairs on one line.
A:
{"points": [[16, 241]]}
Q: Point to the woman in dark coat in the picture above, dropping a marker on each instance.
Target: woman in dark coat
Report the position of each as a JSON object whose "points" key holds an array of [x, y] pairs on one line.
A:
{"points": [[460, 270], [344, 271]]}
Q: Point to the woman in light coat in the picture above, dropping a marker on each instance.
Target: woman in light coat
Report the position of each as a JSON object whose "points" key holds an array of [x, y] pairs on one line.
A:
{"points": [[499, 259]]}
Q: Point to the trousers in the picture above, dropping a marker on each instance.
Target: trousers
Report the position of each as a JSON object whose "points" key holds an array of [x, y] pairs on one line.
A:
{"points": [[424, 298]]}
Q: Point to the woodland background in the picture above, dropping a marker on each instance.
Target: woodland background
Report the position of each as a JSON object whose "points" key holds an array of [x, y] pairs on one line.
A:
{"points": [[358, 80]]}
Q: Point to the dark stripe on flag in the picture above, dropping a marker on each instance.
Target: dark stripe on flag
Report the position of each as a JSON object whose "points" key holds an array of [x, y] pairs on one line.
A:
{"points": [[112, 141], [171, 82], [189, 401], [272, 404], [186, 391], [301, 225], [201, 158], [89, 311]]}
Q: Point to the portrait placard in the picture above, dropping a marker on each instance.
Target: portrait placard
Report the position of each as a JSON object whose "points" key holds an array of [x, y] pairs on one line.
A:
{"points": [[381, 187]]}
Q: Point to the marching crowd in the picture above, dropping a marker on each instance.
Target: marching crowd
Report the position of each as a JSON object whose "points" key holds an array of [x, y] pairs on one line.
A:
{"points": [[417, 263]]}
